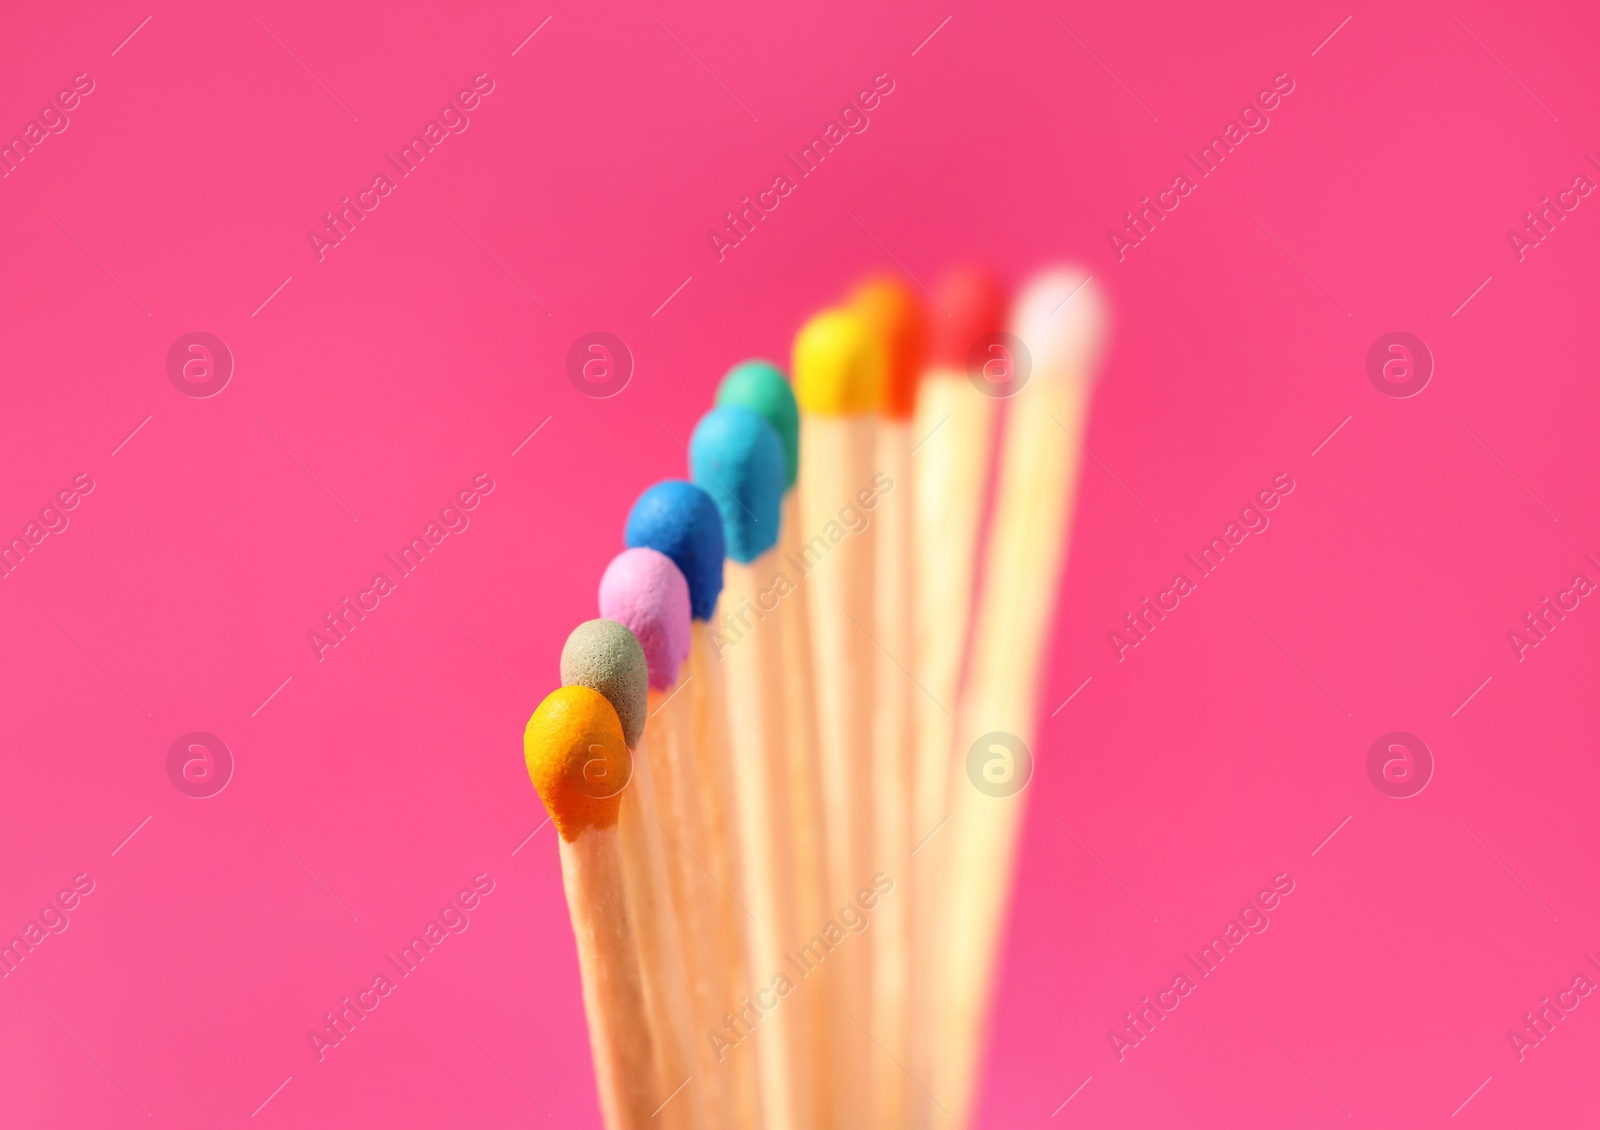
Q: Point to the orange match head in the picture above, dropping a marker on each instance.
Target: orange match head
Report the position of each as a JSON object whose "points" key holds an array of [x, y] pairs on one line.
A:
{"points": [[577, 759], [895, 315]]}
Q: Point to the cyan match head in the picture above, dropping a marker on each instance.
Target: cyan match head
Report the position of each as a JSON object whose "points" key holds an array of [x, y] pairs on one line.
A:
{"points": [[761, 387], [738, 459], [679, 519], [644, 592], [605, 656]]}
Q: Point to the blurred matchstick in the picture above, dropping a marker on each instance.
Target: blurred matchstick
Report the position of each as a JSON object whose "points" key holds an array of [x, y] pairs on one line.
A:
{"points": [[762, 387], [739, 460], [1060, 318], [954, 432], [892, 311], [839, 383]]}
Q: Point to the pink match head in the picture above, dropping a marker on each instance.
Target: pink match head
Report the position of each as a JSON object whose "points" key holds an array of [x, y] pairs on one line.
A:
{"points": [[644, 591]]}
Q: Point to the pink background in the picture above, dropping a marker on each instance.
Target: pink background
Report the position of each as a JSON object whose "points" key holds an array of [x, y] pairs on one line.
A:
{"points": [[378, 781]]}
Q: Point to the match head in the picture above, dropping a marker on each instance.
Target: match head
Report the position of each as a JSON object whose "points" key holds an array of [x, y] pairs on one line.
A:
{"points": [[738, 459], [896, 316], [839, 367], [604, 656], [644, 592], [976, 300], [761, 387], [1061, 317], [577, 759], [679, 519]]}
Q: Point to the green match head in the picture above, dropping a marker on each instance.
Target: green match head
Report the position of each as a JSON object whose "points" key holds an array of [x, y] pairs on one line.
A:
{"points": [[761, 387]]}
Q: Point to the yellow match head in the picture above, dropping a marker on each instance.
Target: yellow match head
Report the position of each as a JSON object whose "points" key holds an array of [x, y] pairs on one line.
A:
{"points": [[577, 759], [839, 365]]}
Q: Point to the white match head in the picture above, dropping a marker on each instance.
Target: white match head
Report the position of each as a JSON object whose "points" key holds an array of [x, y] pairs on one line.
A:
{"points": [[1060, 315]]}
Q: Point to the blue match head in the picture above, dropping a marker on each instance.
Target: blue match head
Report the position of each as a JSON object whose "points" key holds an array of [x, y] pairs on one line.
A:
{"points": [[679, 519], [737, 458]]}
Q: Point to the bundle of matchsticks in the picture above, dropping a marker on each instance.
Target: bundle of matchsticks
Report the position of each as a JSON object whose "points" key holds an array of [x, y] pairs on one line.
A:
{"points": [[786, 762]]}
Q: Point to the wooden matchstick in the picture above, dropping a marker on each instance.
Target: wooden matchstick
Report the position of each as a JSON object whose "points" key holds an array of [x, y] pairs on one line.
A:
{"points": [[643, 590], [953, 437], [576, 754], [762, 387], [892, 311], [738, 459], [839, 382], [680, 520], [1060, 318], [606, 656]]}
